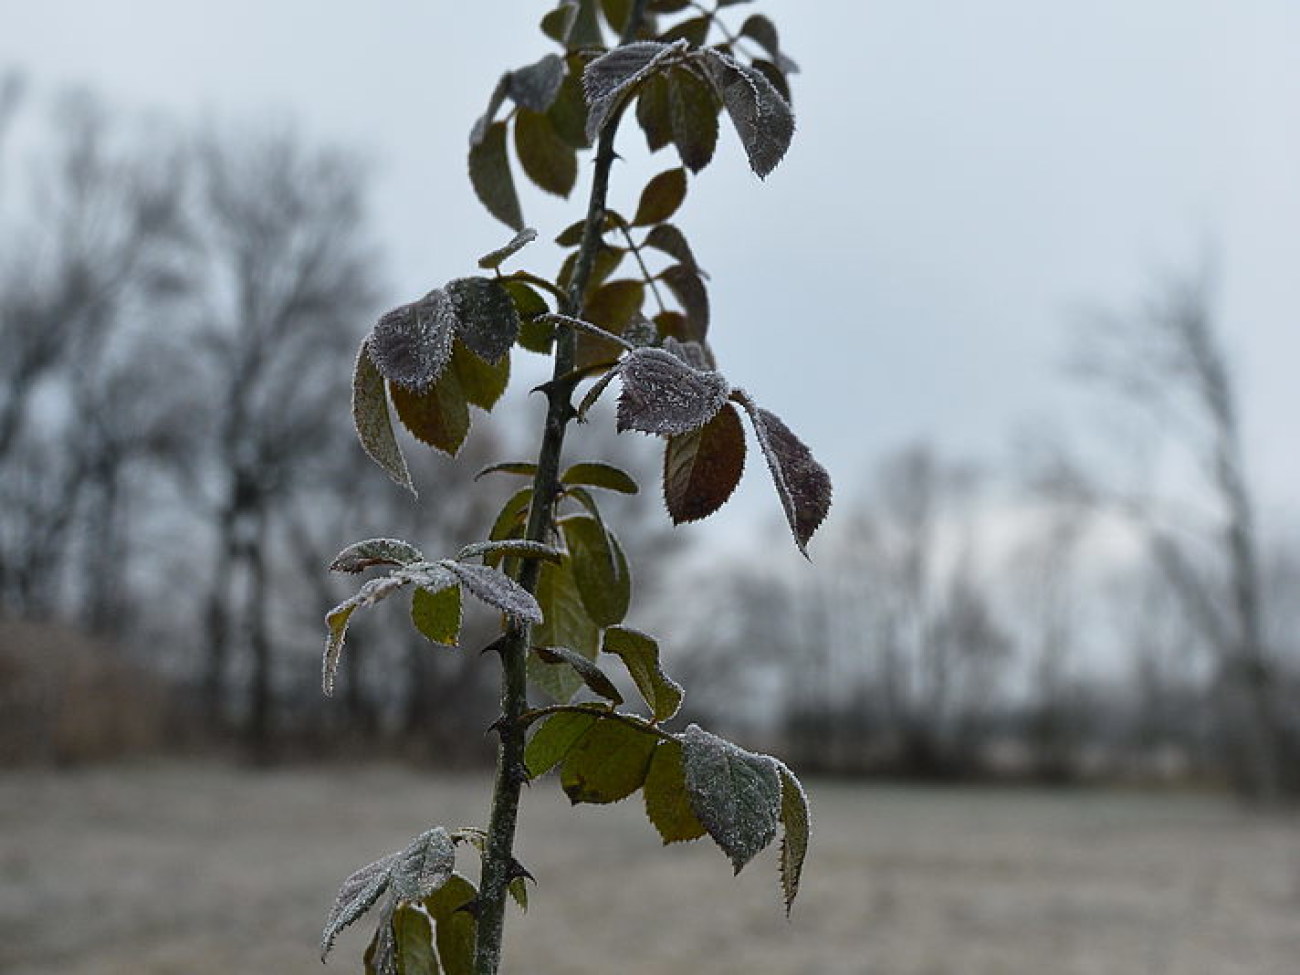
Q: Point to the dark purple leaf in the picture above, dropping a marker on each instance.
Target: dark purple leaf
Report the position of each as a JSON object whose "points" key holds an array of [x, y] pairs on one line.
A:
{"points": [[762, 118], [663, 395], [411, 344]]}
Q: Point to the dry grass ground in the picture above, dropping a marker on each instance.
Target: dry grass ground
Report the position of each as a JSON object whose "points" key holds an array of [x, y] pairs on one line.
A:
{"points": [[205, 870]]}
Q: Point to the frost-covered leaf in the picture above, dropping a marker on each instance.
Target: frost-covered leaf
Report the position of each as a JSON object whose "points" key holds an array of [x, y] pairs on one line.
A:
{"points": [[554, 736], [437, 614], [736, 794], [667, 238], [356, 896], [547, 159], [413, 943], [616, 74], [693, 108], [663, 395], [702, 467], [640, 654], [608, 763], [802, 484], [536, 86], [794, 840], [592, 395], [485, 318], [591, 675], [518, 548], [411, 345], [522, 468], [688, 288], [489, 172], [601, 576], [455, 926], [762, 118], [667, 805], [600, 475], [482, 383], [424, 866], [375, 551], [496, 589], [565, 624], [337, 622], [381, 954], [438, 416], [519, 241], [774, 74], [482, 123], [373, 423], [694, 354], [661, 197]]}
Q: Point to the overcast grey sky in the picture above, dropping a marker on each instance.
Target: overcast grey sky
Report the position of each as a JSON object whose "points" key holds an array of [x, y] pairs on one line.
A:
{"points": [[964, 176]]}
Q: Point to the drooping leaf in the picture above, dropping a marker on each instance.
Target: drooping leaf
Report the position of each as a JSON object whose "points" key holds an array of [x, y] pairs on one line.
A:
{"points": [[546, 158], [424, 866], [565, 624], [595, 678], [557, 23], [373, 423], [439, 416], [736, 794], [489, 172], [608, 763], [667, 805], [615, 75], [688, 288], [413, 943], [600, 475], [375, 551], [510, 519], [654, 112], [553, 739], [411, 345], [381, 954], [604, 264], [535, 87], [693, 110], [802, 484], [661, 197], [519, 241], [356, 896], [616, 13], [437, 615], [703, 466], [481, 124], [761, 30], [337, 622], [605, 591], [663, 395], [455, 928], [794, 839], [485, 316], [667, 238], [496, 589], [772, 73], [762, 118], [640, 654], [568, 113], [482, 383]]}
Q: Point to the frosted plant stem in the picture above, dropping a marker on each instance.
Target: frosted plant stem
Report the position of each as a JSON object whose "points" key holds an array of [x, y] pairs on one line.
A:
{"points": [[498, 854]]}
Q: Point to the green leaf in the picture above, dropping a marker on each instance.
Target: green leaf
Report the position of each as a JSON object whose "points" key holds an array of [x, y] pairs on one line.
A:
{"points": [[654, 112], [611, 306], [413, 937], [546, 158], [437, 615], [373, 422], [640, 654], [424, 866], [693, 111], [667, 6], [695, 31], [608, 763], [496, 589], [571, 236], [568, 113], [736, 794], [439, 416], [661, 197], [522, 468], [688, 288], [557, 23], [600, 475], [533, 335], [616, 13], [603, 583], [489, 172], [666, 803], [485, 316], [510, 519], [519, 891], [565, 624], [702, 467], [553, 739], [794, 841], [455, 927], [375, 551], [483, 383], [667, 238], [520, 240], [591, 675], [585, 32]]}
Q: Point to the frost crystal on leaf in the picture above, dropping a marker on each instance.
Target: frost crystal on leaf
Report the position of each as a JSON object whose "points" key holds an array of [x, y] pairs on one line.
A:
{"points": [[424, 866], [614, 75], [373, 423], [357, 895], [517, 242], [663, 395], [762, 118], [484, 316], [736, 794], [536, 86], [411, 345], [496, 589], [375, 551]]}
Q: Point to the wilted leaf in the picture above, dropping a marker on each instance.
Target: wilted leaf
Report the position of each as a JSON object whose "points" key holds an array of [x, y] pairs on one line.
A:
{"points": [[794, 841], [485, 316], [411, 345], [337, 622], [546, 158], [424, 866], [482, 383], [439, 416], [640, 654], [519, 241], [455, 927], [356, 896], [736, 794], [489, 172], [802, 484], [371, 418], [535, 87], [663, 395], [375, 551], [702, 467], [608, 763], [693, 115], [496, 589], [688, 288], [666, 803], [603, 583], [437, 615], [413, 943], [661, 197], [667, 238], [591, 675], [615, 75], [551, 742], [565, 624], [762, 118], [599, 475]]}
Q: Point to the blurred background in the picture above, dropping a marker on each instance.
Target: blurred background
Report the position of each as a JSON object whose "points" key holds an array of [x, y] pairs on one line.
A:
{"points": [[1025, 284]]}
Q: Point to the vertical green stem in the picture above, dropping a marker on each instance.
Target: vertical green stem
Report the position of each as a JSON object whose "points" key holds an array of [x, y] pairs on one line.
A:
{"points": [[498, 854]]}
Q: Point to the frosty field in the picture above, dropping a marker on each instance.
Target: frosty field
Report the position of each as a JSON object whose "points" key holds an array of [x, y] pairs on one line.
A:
{"points": [[199, 870]]}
